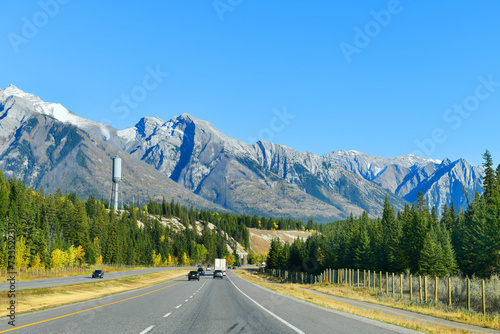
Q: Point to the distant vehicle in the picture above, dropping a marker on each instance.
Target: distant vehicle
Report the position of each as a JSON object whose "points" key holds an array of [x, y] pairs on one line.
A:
{"points": [[209, 269], [193, 275], [220, 264], [201, 272], [263, 264], [218, 273], [234, 267], [98, 274]]}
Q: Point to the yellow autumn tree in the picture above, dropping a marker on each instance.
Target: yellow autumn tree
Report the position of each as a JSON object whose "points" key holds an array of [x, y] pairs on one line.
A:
{"points": [[71, 256], [184, 259], [156, 259], [58, 258], [37, 263], [80, 254], [230, 259], [22, 254]]}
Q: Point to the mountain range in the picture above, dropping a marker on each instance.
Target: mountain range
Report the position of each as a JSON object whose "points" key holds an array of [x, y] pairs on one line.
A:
{"points": [[188, 159]]}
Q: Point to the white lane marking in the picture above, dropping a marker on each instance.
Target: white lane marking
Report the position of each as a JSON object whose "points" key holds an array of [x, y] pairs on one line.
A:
{"points": [[265, 309], [168, 314], [178, 306], [186, 300], [147, 329], [190, 296]]}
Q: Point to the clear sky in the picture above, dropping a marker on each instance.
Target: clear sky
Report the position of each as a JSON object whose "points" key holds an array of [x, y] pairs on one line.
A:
{"points": [[384, 77]]}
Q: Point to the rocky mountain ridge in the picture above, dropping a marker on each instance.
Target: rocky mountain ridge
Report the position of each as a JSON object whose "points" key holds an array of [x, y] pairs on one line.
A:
{"points": [[190, 160]]}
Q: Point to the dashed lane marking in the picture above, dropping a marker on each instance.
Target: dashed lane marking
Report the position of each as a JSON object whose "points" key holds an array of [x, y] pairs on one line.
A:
{"points": [[147, 329]]}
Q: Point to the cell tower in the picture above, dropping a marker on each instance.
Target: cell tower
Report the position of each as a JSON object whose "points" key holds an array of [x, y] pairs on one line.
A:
{"points": [[117, 177]]}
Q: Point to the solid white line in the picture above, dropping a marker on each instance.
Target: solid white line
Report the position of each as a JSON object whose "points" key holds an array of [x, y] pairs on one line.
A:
{"points": [[271, 313], [147, 329], [166, 315], [178, 306]]}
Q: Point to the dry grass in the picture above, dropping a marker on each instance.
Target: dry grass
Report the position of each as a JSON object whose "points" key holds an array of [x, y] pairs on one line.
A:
{"points": [[432, 309], [297, 291], [36, 299]]}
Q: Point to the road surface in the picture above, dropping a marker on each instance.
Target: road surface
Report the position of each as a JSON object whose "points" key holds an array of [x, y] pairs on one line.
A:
{"points": [[228, 305]]}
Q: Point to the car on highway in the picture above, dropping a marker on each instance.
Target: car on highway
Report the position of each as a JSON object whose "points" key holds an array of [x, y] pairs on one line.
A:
{"points": [[201, 272], [218, 273], [193, 274], [98, 274]]}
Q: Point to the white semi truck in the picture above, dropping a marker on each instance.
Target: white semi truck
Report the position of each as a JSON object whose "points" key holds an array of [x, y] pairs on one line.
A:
{"points": [[220, 264]]}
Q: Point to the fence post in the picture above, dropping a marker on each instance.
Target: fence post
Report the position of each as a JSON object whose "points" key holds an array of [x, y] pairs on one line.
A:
{"points": [[468, 294], [358, 279], [364, 278], [380, 281], [449, 291], [393, 289], [401, 285], [411, 288], [436, 290], [425, 288], [420, 287], [386, 283], [369, 279], [484, 299]]}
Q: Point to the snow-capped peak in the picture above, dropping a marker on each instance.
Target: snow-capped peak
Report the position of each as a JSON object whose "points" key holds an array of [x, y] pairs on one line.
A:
{"points": [[14, 91], [22, 102]]}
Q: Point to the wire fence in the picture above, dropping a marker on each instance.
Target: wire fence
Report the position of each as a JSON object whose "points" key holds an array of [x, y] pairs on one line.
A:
{"points": [[472, 294]]}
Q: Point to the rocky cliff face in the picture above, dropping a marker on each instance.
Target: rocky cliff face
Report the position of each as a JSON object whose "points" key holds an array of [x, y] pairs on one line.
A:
{"points": [[441, 182]]}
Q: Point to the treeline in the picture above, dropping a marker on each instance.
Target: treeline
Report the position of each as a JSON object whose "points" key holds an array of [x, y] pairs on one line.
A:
{"points": [[228, 221], [414, 240]]}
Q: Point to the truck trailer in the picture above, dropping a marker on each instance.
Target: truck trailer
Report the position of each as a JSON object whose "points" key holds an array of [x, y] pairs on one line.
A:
{"points": [[220, 264]]}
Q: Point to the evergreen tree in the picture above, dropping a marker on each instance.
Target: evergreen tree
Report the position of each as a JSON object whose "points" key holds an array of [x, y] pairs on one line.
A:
{"points": [[431, 255], [363, 253]]}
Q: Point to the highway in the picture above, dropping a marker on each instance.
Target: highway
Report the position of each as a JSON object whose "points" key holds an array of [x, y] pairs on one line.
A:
{"points": [[229, 305], [51, 282]]}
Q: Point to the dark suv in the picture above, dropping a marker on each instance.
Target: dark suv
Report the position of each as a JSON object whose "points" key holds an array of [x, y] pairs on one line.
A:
{"points": [[98, 274], [193, 275]]}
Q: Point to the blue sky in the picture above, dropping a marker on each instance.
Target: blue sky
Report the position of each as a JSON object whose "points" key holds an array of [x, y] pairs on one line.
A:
{"points": [[385, 78]]}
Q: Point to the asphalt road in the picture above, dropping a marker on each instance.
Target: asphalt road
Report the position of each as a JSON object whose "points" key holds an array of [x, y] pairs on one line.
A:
{"points": [[51, 282], [229, 305]]}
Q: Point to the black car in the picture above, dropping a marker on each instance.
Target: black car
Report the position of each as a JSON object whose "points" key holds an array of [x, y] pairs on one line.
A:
{"points": [[98, 274], [201, 272], [193, 275], [218, 273]]}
